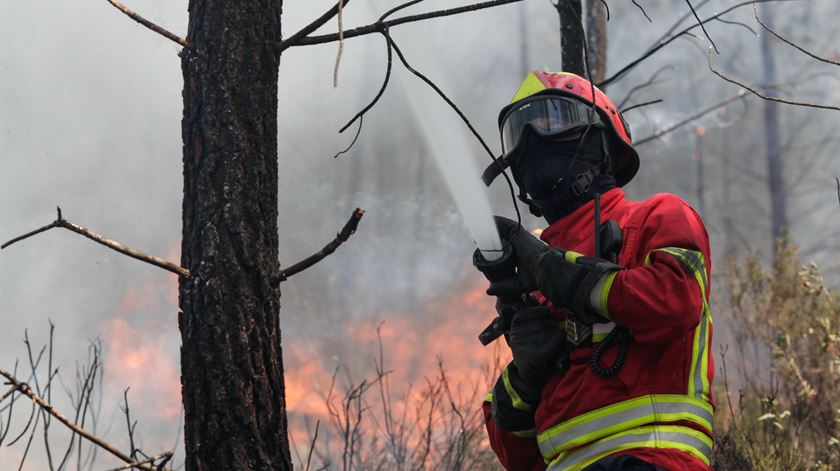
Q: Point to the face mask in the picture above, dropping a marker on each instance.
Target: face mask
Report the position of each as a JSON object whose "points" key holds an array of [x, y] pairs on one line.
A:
{"points": [[560, 176]]}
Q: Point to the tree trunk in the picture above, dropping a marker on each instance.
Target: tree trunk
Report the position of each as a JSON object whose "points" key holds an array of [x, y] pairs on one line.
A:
{"points": [[571, 36], [596, 39], [775, 167], [231, 364]]}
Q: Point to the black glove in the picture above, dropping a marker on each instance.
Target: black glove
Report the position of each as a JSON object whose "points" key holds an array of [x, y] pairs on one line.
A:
{"points": [[514, 401], [537, 341], [565, 278]]}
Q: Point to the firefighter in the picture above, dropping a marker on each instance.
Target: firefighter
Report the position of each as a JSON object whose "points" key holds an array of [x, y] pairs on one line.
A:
{"points": [[612, 367]]}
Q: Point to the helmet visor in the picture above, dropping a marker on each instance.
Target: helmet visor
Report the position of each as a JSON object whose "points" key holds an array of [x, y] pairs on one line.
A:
{"points": [[548, 116]]}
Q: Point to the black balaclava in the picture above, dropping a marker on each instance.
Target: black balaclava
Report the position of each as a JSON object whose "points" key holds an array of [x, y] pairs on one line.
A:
{"points": [[547, 170]]}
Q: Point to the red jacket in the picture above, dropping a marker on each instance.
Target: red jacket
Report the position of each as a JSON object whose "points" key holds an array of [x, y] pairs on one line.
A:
{"points": [[659, 405]]}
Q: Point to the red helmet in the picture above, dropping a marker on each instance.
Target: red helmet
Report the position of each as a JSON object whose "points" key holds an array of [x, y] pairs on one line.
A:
{"points": [[564, 84]]}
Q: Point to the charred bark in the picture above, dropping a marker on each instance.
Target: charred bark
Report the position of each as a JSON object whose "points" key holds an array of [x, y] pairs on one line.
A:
{"points": [[571, 36], [232, 372]]}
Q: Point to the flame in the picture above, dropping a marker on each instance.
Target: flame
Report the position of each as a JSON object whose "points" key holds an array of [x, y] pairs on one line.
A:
{"points": [[537, 232]]}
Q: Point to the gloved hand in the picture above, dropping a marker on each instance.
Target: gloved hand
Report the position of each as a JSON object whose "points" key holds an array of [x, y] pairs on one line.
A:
{"points": [[537, 341], [565, 278]]}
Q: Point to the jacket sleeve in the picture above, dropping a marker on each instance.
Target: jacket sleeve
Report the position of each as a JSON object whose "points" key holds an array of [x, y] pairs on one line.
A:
{"points": [[664, 292], [516, 451]]}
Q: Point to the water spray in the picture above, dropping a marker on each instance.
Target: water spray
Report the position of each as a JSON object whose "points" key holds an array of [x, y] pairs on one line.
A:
{"points": [[447, 142]]}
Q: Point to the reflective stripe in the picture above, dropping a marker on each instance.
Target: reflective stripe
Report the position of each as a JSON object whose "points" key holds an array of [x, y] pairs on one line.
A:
{"points": [[571, 256], [698, 380], [515, 399], [681, 438], [605, 293], [489, 397], [600, 331], [618, 418]]}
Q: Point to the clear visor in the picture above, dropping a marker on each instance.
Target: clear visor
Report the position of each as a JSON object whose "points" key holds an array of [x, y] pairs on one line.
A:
{"points": [[548, 116]]}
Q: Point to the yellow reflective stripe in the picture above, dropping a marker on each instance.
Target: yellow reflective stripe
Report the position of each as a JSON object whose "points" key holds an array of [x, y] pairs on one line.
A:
{"points": [[625, 415], [516, 400], [605, 293], [684, 439], [600, 331], [531, 85], [572, 256], [698, 379], [489, 397]]}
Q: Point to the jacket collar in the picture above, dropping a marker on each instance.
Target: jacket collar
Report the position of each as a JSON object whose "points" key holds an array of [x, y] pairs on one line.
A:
{"points": [[576, 231]]}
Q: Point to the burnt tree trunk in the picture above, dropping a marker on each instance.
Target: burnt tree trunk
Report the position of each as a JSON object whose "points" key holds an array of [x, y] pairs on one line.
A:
{"points": [[571, 36], [775, 165], [231, 364]]}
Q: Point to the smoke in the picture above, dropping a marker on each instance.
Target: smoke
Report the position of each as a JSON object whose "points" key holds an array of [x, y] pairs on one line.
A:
{"points": [[90, 109]]}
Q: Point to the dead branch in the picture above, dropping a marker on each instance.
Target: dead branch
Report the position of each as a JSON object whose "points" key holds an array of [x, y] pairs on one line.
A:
{"points": [[379, 94], [766, 97], [659, 133], [791, 43], [378, 27], [312, 445], [666, 41], [650, 81], [643, 104], [320, 21], [26, 390], [340, 42], [348, 230], [702, 26], [148, 24], [61, 222], [163, 458], [641, 8]]}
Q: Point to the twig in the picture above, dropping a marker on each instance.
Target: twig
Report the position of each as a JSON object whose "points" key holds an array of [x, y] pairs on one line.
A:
{"points": [[640, 105], [131, 427], [312, 445], [348, 230], [40, 402], [656, 135], [766, 97], [148, 24], [381, 26], [379, 94], [702, 26], [163, 457], [644, 85], [61, 222], [665, 41], [642, 9], [320, 21], [790, 43], [340, 42]]}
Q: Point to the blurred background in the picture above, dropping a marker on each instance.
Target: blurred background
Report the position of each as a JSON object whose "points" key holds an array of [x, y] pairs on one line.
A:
{"points": [[90, 110]]}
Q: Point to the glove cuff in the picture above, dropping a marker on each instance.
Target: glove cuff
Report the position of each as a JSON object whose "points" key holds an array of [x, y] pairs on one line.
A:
{"points": [[514, 402]]}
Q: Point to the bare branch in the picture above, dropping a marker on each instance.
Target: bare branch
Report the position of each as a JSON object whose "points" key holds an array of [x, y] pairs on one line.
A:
{"points": [[640, 8], [659, 133], [791, 43], [665, 41], [649, 82], [61, 222], [320, 21], [40, 402], [148, 24], [640, 105], [348, 230], [340, 42], [380, 26], [163, 458], [766, 97], [312, 446], [702, 26]]}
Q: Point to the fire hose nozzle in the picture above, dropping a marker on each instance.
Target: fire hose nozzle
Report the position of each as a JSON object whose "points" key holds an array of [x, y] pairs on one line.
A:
{"points": [[502, 268]]}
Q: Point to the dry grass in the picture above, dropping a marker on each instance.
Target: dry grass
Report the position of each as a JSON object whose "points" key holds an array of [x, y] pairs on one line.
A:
{"points": [[782, 409]]}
